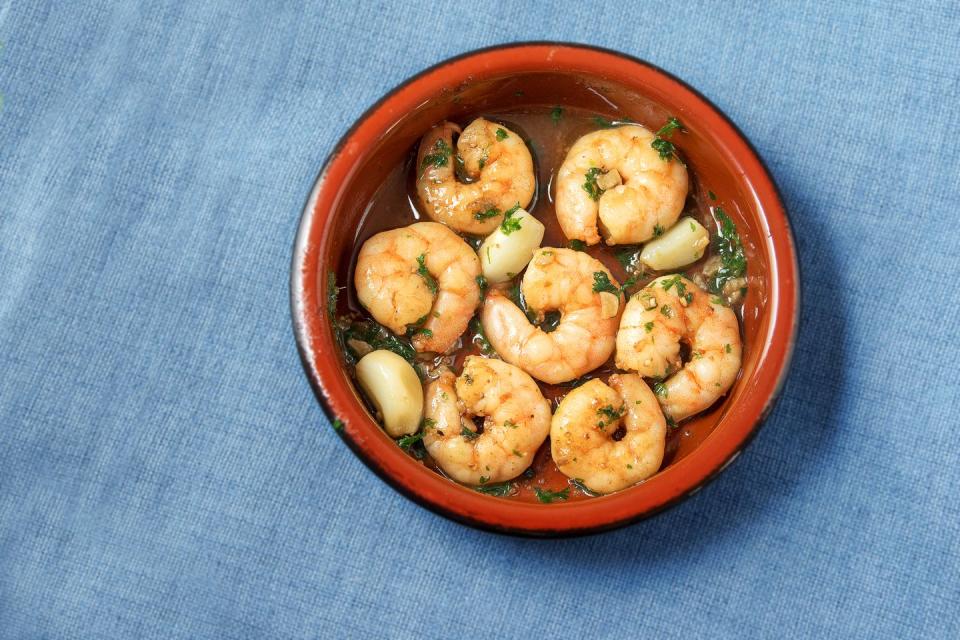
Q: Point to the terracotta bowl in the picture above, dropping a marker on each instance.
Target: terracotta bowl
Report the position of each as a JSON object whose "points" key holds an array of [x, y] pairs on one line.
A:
{"points": [[575, 76]]}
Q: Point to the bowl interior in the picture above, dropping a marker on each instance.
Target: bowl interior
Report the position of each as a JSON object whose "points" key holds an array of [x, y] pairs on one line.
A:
{"points": [[719, 161]]}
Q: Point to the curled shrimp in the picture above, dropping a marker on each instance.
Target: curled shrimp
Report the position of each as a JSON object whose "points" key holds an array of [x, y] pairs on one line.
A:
{"points": [[516, 421], [668, 312], [497, 164], [420, 279], [589, 301], [614, 175], [583, 428]]}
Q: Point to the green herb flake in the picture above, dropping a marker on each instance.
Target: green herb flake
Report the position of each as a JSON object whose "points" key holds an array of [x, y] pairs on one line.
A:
{"points": [[628, 257], [590, 184], [423, 273], [666, 310], [610, 412], [711, 195], [483, 479], [555, 114], [657, 230], [681, 288], [672, 125], [601, 282], [661, 144], [501, 134], [482, 283], [375, 335], [468, 434], [510, 223], [733, 262], [577, 245], [547, 496], [480, 338], [579, 484], [408, 441], [337, 425], [439, 157], [727, 348], [648, 327], [660, 389], [510, 424], [492, 212], [500, 490], [603, 123]]}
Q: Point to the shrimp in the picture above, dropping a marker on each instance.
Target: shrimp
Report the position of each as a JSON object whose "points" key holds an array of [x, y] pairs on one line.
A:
{"points": [[589, 301], [421, 279], [516, 421], [667, 312], [615, 174], [582, 433], [495, 160]]}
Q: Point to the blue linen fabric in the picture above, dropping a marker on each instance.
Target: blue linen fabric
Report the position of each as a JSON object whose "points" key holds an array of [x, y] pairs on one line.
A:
{"points": [[165, 470]]}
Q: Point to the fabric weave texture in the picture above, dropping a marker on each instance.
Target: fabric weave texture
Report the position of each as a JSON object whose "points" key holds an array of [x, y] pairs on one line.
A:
{"points": [[165, 471]]}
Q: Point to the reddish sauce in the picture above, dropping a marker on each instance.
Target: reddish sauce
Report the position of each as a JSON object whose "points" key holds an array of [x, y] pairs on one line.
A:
{"points": [[549, 137]]}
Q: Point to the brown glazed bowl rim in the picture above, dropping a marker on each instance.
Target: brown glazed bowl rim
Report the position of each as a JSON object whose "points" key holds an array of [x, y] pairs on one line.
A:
{"points": [[317, 346]]}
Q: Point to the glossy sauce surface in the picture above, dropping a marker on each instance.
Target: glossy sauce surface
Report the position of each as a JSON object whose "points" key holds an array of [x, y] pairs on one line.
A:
{"points": [[549, 135]]}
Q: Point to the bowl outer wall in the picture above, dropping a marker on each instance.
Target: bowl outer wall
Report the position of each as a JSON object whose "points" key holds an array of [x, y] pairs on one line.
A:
{"points": [[317, 344]]}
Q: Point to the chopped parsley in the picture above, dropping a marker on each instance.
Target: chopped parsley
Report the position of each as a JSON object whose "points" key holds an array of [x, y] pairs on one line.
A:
{"points": [[337, 425], [601, 282], [501, 134], [555, 114], [711, 195], [408, 441], [480, 338], [492, 212], [681, 287], [661, 144], [468, 434], [482, 283], [666, 310], [648, 327], [660, 389], [376, 336], [510, 223], [628, 257], [547, 496], [550, 322], [603, 123], [590, 185], [730, 249], [657, 230], [611, 414], [577, 245], [510, 424], [423, 273], [727, 348], [500, 490], [438, 158], [578, 483]]}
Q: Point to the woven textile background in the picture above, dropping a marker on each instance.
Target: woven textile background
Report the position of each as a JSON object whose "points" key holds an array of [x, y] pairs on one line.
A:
{"points": [[166, 472]]}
